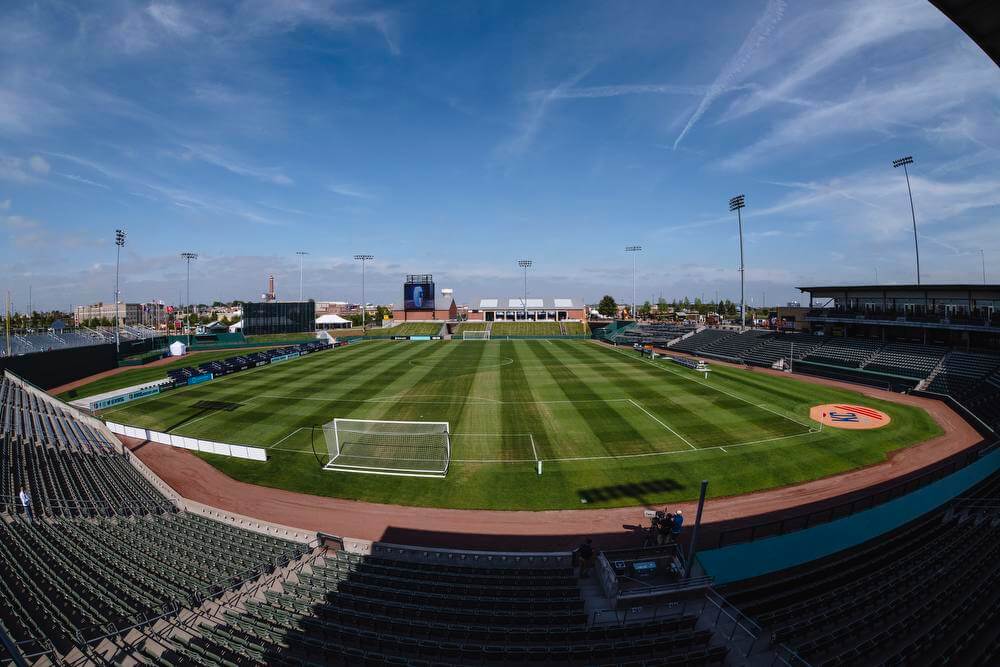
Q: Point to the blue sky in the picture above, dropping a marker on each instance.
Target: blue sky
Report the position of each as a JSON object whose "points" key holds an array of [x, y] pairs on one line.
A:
{"points": [[455, 138]]}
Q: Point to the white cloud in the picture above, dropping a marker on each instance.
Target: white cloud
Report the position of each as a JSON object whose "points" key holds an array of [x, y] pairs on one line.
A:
{"points": [[39, 165], [729, 73], [348, 190], [171, 18], [4, 204], [534, 116], [220, 158]]}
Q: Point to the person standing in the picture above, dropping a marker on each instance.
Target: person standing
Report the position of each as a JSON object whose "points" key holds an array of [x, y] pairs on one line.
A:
{"points": [[26, 503], [675, 531], [586, 554]]}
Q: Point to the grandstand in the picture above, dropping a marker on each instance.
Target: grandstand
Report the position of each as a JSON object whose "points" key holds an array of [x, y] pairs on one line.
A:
{"points": [[928, 593], [500, 329], [27, 343]]}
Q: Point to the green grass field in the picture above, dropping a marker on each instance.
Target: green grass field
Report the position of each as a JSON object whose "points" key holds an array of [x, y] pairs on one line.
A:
{"points": [[526, 329], [407, 329], [611, 428]]}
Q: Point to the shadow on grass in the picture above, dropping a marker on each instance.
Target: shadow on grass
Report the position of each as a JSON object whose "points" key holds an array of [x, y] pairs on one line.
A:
{"points": [[637, 491]]}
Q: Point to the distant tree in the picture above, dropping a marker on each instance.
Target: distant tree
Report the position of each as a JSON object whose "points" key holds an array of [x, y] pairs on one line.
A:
{"points": [[646, 309], [105, 322], [607, 306]]}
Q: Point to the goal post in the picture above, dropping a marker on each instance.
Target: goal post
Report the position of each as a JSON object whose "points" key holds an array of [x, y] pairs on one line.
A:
{"points": [[409, 448], [476, 335]]}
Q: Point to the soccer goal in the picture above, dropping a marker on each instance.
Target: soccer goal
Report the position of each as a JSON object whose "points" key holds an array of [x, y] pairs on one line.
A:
{"points": [[415, 449], [476, 335]]}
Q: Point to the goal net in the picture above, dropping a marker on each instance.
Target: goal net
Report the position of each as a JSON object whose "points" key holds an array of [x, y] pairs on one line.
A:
{"points": [[476, 335], [421, 449]]}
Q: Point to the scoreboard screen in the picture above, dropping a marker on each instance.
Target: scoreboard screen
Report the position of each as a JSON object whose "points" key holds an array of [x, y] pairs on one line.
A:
{"points": [[418, 296]]}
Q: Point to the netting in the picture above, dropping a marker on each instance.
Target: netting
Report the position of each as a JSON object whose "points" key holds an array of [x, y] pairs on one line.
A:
{"points": [[388, 447], [476, 335]]}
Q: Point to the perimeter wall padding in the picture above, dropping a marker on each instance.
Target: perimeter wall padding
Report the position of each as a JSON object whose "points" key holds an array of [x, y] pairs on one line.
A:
{"points": [[752, 559]]}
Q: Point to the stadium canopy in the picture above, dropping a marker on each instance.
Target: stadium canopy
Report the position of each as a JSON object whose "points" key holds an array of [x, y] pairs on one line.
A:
{"points": [[331, 321], [979, 19]]}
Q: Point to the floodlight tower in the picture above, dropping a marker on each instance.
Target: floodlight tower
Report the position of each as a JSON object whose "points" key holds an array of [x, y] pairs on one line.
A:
{"points": [[902, 162], [119, 244], [737, 204], [525, 264], [633, 249], [301, 254], [982, 256], [188, 256], [364, 304]]}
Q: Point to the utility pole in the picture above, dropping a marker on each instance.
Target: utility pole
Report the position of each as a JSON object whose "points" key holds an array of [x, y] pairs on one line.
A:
{"points": [[525, 264], [301, 254], [364, 304], [738, 203], [119, 244], [902, 162], [633, 249], [188, 256]]}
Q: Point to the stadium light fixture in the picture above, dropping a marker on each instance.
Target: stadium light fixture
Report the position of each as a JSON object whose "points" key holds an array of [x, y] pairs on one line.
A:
{"points": [[982, 256], [738, 203], [119, 244], [525, 264], [633, 249], [902, 162], [364, 304], [188, 256], [301, 254]]}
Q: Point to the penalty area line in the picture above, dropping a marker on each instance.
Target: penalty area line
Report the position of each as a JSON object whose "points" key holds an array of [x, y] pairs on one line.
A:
{"points": [[651, 416]]}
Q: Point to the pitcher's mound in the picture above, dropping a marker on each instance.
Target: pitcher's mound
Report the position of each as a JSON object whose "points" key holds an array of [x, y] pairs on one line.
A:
{"points": [[849, 416]]}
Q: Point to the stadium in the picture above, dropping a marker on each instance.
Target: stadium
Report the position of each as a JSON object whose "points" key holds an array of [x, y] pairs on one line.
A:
{"points": [[519, 482]]}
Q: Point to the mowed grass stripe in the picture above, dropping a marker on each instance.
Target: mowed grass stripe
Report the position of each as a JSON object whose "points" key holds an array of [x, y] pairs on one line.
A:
{"points": [[276, 415], [705, 416], [518, 415], [614, 431], [485, 430]]}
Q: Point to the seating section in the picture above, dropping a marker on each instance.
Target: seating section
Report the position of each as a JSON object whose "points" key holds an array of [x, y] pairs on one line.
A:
{"points": [[738, 346], [105, 549], [69, 467], [963, 373], [844, 352], [575, 328], [906, 359], [922, 595], [784, 346], [468, 326], [67, 580], [656, 334], [242, 362], [353, 610], [27, 343], [702, 340]]}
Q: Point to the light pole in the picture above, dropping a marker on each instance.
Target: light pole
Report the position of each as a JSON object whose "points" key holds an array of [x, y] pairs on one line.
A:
{"points": [[902, 162], [982, 256], [364, 303], [633, 249], [188, 256], [301, 254], [525, 264], [738, 203], [119, 244]]}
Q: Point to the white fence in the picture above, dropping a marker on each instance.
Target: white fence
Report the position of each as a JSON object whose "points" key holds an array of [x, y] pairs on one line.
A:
{"points": [[194, 444]]}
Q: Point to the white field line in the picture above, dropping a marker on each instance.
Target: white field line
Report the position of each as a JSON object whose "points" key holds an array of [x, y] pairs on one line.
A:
{"points": [[721, 391], [286, 437], [215, 381], [611, 457], [393, 399], [653, 417], [534, 452]]}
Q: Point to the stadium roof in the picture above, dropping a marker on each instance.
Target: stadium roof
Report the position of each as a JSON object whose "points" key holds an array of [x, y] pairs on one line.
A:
{"points": [[980, 19], [936, 287], [534, 303]]}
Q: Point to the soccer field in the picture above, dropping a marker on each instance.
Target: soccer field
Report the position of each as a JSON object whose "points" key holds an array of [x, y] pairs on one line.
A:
{"points": [[611, 428]]}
